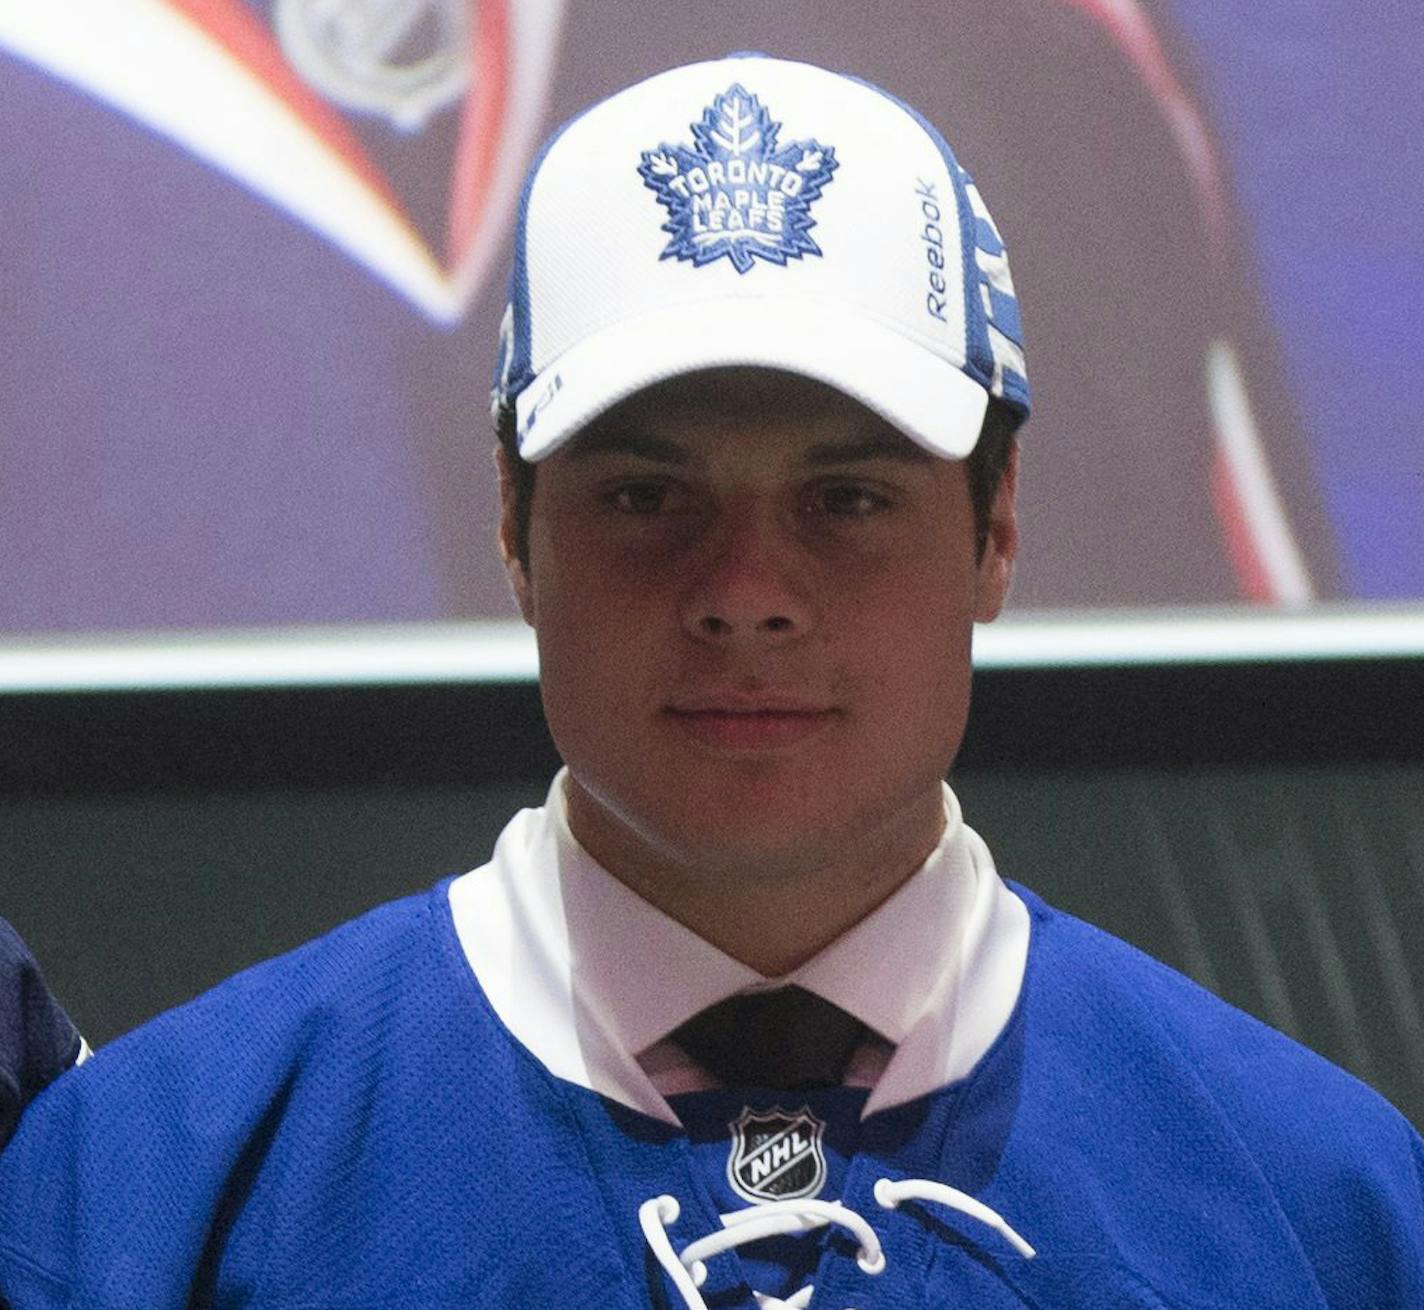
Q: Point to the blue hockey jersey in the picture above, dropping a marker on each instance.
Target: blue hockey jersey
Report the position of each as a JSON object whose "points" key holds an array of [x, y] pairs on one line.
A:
{"points": [[352, 1126]]}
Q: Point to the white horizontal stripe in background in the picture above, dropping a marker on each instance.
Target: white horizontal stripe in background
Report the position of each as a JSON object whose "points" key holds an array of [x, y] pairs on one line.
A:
{"points": [[503, 651]]}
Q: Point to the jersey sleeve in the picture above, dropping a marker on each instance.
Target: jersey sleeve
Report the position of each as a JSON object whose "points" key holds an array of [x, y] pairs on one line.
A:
{"points": [[37, 1040], [126, 1183]]}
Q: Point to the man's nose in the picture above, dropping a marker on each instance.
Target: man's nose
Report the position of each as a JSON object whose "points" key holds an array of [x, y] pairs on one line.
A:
{"points": [[747, 582]]}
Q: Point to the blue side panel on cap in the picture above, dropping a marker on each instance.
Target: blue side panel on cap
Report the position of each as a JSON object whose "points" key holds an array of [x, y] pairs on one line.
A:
{"points": [[980, 357], [1006, 315], [986, 238], [1006, 379]]}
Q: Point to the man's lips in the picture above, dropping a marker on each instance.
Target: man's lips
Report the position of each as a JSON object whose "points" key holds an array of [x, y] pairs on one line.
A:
{"points": [[750, 723]]}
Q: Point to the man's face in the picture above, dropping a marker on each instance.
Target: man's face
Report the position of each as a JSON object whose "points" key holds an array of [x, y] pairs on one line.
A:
{"points": [[754, 602]]}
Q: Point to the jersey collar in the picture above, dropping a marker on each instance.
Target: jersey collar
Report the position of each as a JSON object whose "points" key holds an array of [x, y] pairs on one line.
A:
{"points": [[587, 975]]}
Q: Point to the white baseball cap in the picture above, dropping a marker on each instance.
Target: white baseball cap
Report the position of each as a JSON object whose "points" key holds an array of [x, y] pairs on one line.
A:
{"points": [[755, 211]]}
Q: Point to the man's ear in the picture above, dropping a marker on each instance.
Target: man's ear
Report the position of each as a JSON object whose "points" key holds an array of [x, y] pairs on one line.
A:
{"points": [[509, 537], [1001, 545]]}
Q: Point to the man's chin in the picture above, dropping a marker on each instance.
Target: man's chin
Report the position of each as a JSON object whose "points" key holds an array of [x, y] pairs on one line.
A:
{"points": [[751, 841]]}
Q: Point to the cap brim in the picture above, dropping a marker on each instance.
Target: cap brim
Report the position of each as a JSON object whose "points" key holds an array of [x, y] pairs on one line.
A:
{"points": [[915, 390]]}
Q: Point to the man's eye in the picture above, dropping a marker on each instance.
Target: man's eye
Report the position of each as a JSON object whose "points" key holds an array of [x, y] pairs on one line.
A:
{"points": [[849, 500], [638, 497]]}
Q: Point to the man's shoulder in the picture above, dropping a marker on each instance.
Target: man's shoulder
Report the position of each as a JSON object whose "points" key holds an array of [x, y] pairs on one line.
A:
{"points": [[329, 981], [292, 1038], [1133, 1073], [297, 1091], [354, 986], [1276, 1093], [389, 933]]}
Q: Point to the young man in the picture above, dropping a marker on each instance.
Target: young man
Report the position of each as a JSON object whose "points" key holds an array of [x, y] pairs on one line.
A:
{"points": [[743, 1016], [37, 1040]]}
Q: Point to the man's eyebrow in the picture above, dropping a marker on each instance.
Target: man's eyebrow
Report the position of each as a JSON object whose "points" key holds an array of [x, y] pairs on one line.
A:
{"points": [[643, 445], [621, 441], [881, 446]]}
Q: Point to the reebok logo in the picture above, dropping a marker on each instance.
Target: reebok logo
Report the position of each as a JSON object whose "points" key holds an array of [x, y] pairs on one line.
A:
{"points": [[933, 237]]}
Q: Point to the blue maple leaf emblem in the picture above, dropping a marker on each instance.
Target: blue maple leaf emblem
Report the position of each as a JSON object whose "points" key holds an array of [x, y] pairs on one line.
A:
{"points": [[736, 191]]}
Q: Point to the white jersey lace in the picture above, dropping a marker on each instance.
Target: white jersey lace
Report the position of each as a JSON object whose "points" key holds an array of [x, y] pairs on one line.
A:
{"points": [[687, 1269]]}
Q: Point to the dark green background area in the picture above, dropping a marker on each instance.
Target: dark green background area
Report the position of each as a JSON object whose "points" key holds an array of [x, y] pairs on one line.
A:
{"points": [[1284, 871]]}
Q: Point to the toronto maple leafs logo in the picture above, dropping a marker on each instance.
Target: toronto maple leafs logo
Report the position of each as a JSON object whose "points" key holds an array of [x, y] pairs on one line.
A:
{"points": [[736, 191]]}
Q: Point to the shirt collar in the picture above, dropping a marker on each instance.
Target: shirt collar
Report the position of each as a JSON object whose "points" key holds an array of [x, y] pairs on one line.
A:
{"points": [[677, 973], [885, 968], [550, 934]]}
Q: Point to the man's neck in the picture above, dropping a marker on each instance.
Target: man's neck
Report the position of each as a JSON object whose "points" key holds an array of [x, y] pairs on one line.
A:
{"points": [[773, 919]]}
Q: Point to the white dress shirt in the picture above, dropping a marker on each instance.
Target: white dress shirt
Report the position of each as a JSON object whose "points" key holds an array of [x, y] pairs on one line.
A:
{"points": [[591, 978]]}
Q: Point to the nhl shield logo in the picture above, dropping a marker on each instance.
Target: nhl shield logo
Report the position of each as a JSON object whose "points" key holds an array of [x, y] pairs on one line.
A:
{"points": [[776, 1155], [737, 191], [402, 59]]}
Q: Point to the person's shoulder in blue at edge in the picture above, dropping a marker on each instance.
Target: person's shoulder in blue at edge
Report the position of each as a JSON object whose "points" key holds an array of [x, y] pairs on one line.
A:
{"points": [[744, 1015], [37, 1040]]}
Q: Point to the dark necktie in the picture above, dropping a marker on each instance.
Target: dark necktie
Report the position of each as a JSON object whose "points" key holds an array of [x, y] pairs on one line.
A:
{"points": [[787, 1039]]}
